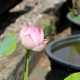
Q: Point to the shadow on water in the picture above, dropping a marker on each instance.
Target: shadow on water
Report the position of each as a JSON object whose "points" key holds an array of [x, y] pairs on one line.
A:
{"points": [[9, 17]]}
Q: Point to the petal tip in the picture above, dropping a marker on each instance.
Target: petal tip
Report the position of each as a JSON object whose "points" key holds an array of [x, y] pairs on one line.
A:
{"points": [[46, 41]]}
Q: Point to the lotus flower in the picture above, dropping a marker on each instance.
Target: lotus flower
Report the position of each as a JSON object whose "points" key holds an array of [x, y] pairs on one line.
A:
{"points": [[33, 38]]}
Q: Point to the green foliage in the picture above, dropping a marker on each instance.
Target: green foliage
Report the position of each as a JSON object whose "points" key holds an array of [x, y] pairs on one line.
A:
{"points": [[53, 28], [77, 48], [49, 30], [73, 4], [72, 13], [45, 29], [77, 18], [8, 45], [72, 9], [74, 76]]}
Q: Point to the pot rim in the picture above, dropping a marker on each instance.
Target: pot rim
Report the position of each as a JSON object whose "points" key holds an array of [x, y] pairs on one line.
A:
{"points": [[72, 20], [60, 61]]}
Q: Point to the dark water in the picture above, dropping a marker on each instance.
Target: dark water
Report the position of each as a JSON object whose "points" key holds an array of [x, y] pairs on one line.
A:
{"points": [[70, 54]]}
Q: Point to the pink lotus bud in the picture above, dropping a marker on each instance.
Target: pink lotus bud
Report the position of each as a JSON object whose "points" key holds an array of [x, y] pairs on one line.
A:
{"points": [[33, 38]]}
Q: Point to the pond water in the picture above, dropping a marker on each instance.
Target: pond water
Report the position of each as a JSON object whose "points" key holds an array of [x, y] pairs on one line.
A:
{"points": [[69, 53]]}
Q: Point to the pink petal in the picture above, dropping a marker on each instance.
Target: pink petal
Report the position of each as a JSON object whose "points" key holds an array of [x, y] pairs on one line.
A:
{"points": [[41, 34], [46, 41], [35, 36], [27, 42], [28, 30], [23, 30], [39, 48]]}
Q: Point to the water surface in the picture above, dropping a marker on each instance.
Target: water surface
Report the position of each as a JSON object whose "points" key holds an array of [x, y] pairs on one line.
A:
{"points": [[70, 53]]}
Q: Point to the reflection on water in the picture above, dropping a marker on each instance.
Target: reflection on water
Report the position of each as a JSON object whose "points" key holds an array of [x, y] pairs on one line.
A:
{"points": [[70, 54]]}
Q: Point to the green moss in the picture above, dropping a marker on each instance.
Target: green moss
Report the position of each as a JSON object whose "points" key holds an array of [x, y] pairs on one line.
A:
{"points": [[48, 24]]}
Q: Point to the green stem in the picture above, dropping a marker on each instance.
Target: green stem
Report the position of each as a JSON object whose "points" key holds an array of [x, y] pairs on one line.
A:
{"points": [[26, 65]]}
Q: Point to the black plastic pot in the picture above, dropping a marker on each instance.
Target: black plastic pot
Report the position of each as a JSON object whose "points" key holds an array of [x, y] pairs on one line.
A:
{"points": [[61, 68], [7, 4], [75, 25]]}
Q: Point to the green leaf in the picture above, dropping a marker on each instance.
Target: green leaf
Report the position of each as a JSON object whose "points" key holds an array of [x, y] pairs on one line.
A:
{"points": [[8, 45], [72, 13], [74, 76]]}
